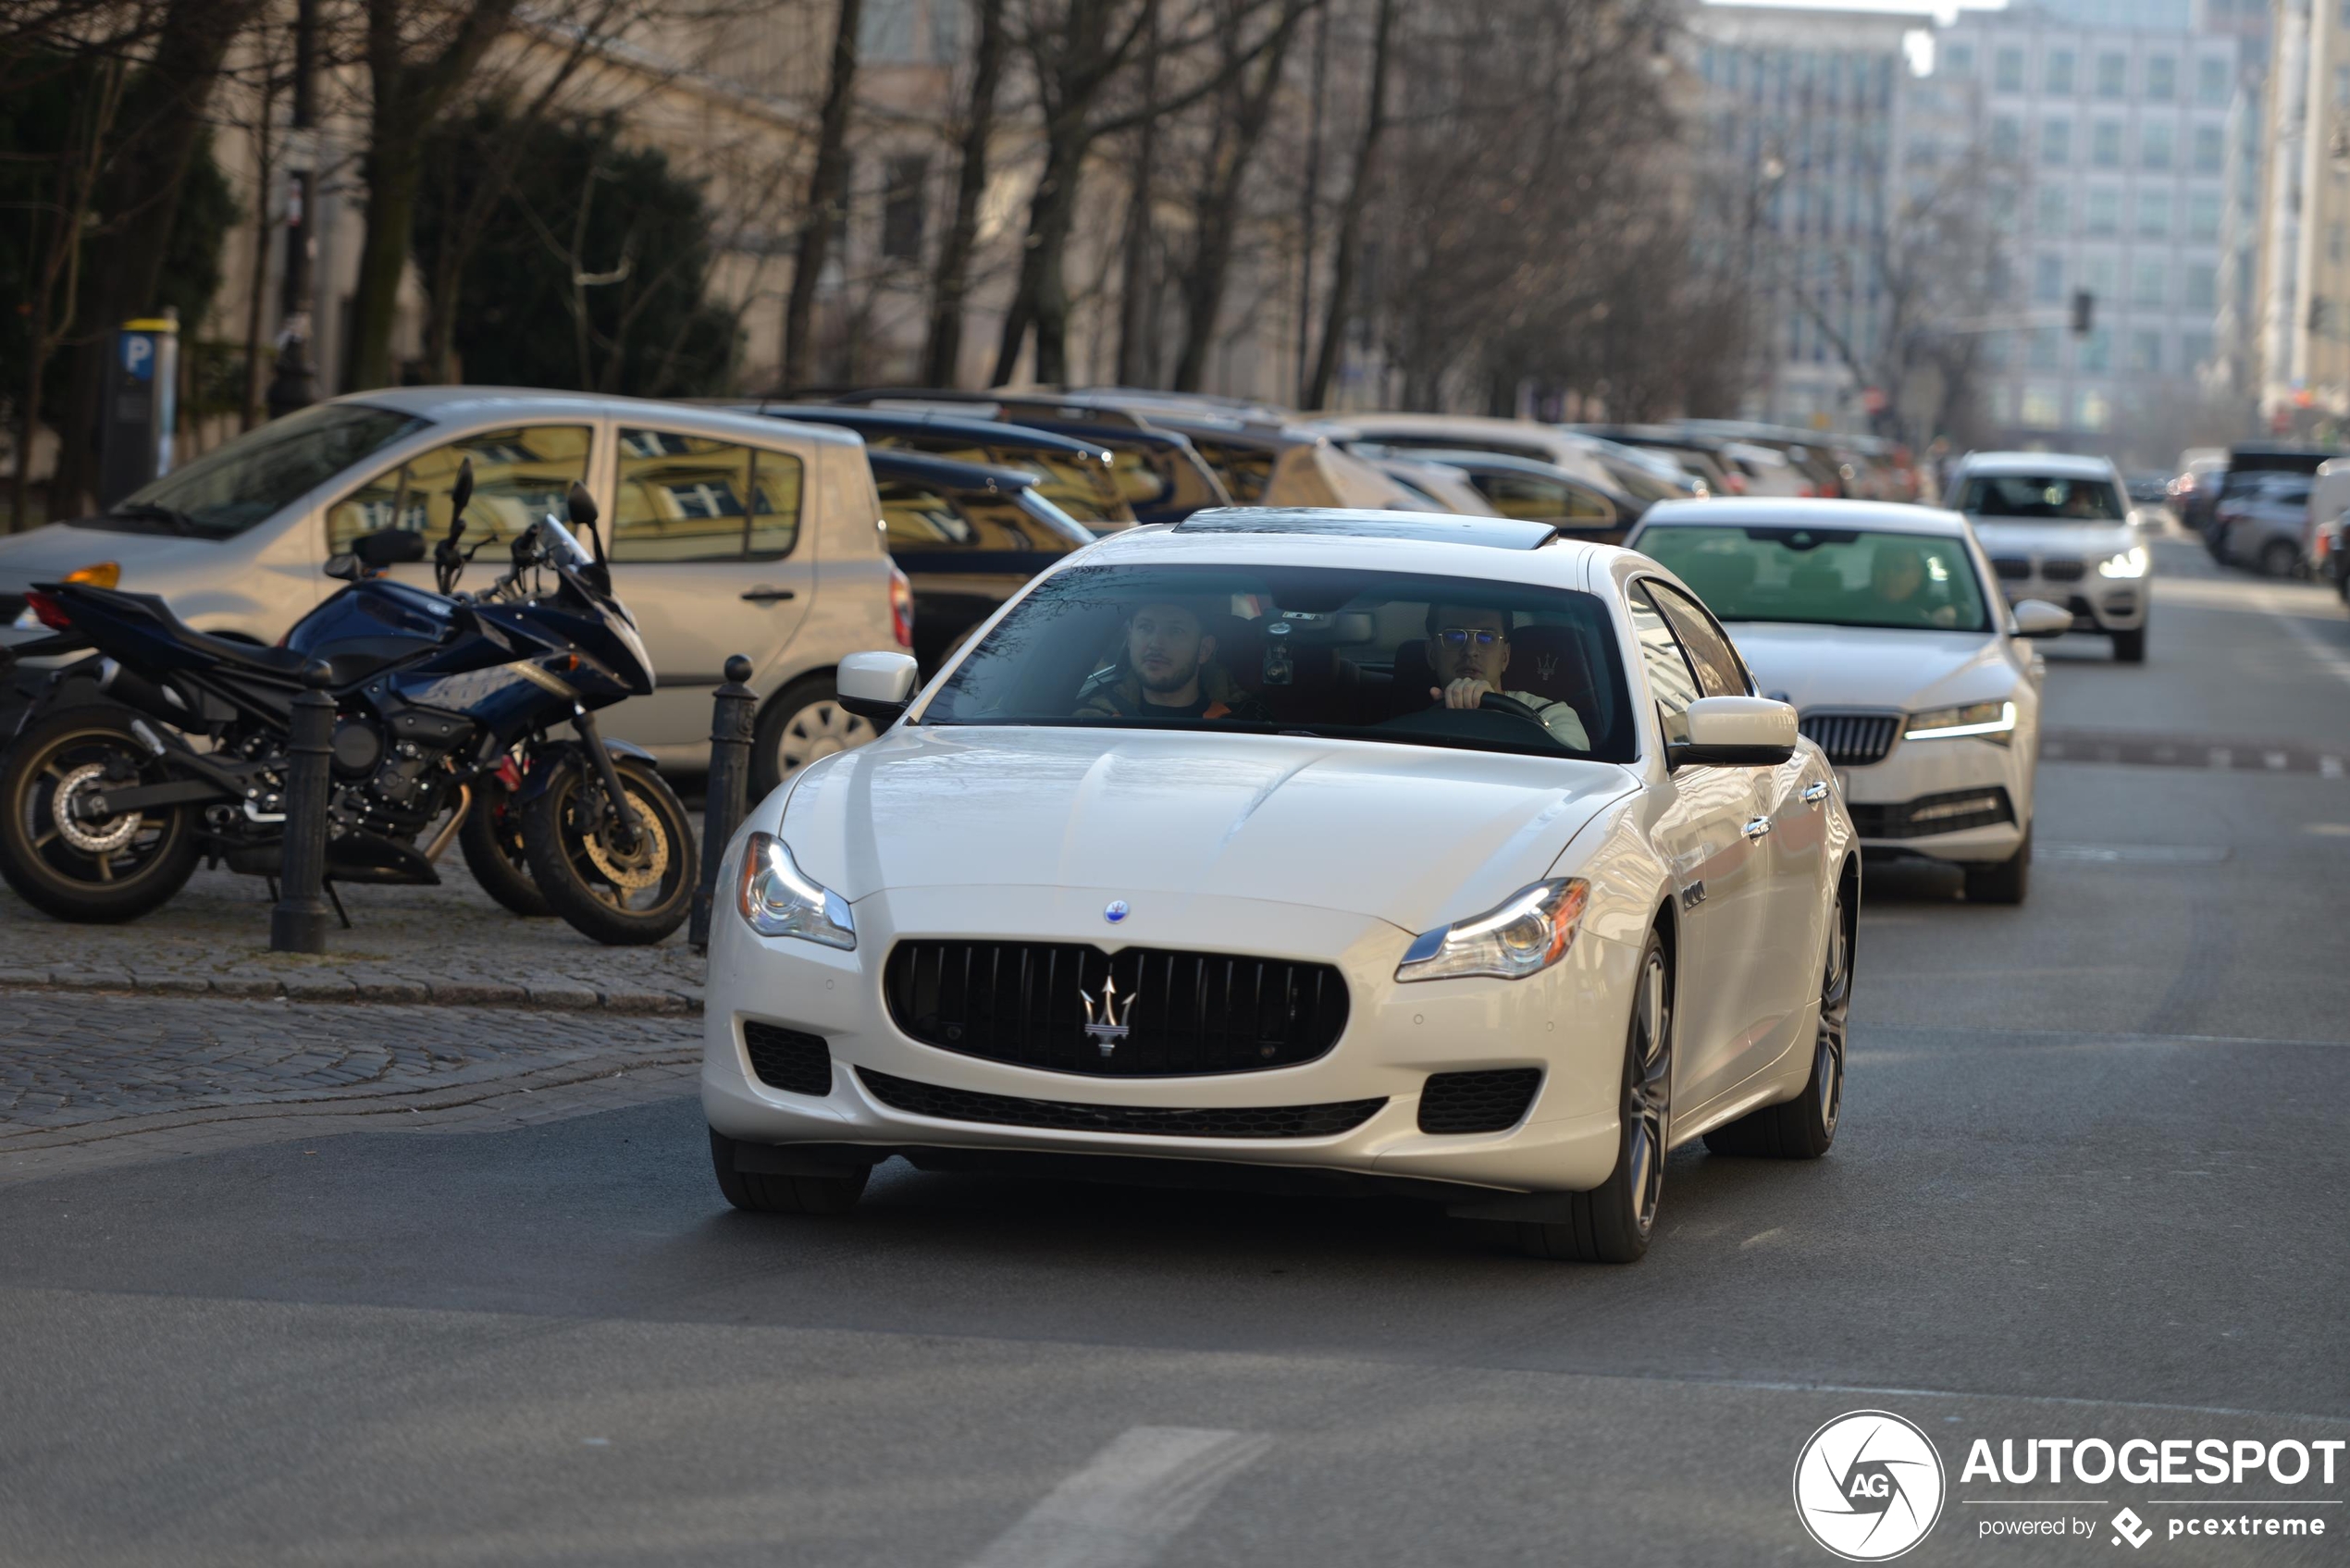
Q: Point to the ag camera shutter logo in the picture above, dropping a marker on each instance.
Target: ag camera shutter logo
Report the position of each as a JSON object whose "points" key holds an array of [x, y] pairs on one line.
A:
{"points": [[1868, 1485]]}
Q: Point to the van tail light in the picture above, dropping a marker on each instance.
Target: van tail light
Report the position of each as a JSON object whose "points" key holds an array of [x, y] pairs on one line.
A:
{"points": [[901, 608], [48, 612], [1737, 482], [1806, 489]]}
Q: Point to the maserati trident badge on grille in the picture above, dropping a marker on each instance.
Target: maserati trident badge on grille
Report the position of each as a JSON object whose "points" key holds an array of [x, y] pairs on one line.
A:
{"points": [[1106, 1027]]}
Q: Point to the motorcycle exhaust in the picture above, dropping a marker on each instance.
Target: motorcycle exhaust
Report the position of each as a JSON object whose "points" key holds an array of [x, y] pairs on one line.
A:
{"points": [[456, 819], [134, 690]]}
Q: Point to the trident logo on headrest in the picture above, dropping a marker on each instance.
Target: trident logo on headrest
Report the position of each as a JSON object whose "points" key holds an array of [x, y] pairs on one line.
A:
{"points": [[1108, 1027]]}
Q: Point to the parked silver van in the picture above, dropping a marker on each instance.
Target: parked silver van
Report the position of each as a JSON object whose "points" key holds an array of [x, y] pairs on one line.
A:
{"points": [[727, 534]]}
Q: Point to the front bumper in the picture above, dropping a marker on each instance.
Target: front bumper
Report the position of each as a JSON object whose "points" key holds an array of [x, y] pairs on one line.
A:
{"points": [[2099, 604], [1569, 1021], [1916, 802]]}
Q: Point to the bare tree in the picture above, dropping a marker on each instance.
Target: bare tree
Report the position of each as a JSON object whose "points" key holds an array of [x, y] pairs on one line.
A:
{"points": [[1244, 107], [950, 280], [1348, 254], [827, 196]]}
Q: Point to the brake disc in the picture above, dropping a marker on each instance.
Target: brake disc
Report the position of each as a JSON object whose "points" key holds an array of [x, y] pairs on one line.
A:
{"points": [[641, 867], [117, 830]]}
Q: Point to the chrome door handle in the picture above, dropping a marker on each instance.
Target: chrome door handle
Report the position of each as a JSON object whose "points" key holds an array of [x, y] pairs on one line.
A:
{"points": [[1815, 792], [767, 596], [1758, 827]]}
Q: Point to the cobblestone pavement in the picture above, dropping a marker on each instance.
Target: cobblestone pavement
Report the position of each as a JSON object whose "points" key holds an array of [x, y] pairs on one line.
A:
{"points": [[95, 1079], [448, 943]]}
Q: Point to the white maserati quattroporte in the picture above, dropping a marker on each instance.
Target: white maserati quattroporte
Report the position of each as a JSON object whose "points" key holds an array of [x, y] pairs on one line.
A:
{"points": [[1884, 626], [1365, 850]]}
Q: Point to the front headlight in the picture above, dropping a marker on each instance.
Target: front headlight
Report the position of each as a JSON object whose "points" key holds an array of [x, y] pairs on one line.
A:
{"points": [[1987, 720], [2130, 563], [1529, 933], [779, 899]]}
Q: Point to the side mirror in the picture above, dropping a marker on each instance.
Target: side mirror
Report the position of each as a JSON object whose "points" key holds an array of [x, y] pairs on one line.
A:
{"points": [[345, 566], [581, 505], [878, 687], [387, 547], [463, 491], [1736, 731], [2038, 618]]}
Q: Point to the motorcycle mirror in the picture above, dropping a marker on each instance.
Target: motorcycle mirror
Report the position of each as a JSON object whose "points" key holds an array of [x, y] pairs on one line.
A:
{"points": [[389, 547], [344, 565], [582, 506], [461, 495]]}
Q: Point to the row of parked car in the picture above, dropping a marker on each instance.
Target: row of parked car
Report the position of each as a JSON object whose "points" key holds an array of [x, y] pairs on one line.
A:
{"points": [[748, 526], [2280, 510]]}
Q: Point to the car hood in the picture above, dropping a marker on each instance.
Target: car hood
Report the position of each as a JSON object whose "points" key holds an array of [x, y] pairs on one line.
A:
{"points": [[46, 554], [1412, 835], [2077, 541], [1862, 667]]}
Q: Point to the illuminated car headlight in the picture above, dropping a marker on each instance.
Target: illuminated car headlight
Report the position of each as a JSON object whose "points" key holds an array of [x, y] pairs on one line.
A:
{"points": [[1529, 933], [2130, 563], [1993, 722], [779, 899]]}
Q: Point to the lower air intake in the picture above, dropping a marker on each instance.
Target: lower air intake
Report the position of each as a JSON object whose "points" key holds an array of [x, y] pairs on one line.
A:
{"points": [[1493, 1101], [1005, 1110], [788, 1059]]}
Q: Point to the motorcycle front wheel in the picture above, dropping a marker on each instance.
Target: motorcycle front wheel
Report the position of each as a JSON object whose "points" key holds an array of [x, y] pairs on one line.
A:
{"points": [[65, 863], [621, 892], [490, 838]]}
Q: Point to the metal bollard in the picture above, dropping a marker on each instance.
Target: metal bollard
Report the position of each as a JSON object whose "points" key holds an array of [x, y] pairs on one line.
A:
{"points": [[298, 921], [733, 714]]}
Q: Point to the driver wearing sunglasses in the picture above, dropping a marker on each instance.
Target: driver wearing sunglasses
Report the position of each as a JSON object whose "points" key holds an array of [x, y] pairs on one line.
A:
{"points": [[1469, 650]]}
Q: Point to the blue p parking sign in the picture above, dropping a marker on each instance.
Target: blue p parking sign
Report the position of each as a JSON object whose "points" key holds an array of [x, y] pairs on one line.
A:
{"points": [[138, 355]]}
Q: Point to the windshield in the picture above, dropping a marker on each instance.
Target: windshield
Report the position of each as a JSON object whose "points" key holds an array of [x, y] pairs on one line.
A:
{"points": [[2043, 497], [228, 490], [1347, 654], [1826, 576]]}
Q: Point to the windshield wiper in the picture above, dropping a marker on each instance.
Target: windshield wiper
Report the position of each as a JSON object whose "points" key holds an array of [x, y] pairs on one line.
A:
{"points": [[149, 512]]}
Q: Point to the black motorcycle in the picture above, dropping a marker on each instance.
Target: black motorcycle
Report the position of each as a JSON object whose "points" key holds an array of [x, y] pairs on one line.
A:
{"points": [[169, 746]]}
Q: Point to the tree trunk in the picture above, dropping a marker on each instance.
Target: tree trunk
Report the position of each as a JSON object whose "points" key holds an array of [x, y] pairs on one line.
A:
{"points": [[1049, 217], [1218, 218], [942, 353], [827, 195], [1350, 222], [163, 117], [394, 168], [1137, 325]]}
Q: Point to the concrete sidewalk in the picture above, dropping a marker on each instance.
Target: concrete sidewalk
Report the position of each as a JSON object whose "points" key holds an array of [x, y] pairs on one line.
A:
{"points": [[449, 945]]}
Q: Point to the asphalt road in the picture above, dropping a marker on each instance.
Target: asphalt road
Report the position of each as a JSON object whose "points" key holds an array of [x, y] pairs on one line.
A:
{"points": [[2089, 1184]]}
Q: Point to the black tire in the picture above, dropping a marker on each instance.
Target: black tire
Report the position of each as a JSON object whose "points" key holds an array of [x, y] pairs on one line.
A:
{"points": [[802, 723], [1801, 1129], [131, 864], [2279, 558], [1614, 1221], [758, 1193], [2130, 648], [2004, 883], [620, 898], [491, 840]]}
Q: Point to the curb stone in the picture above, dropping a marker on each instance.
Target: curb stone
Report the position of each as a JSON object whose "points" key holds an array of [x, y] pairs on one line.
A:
{"points": [[566, 994]]}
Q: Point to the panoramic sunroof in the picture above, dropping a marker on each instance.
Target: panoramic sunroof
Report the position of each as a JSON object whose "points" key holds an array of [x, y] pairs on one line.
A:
{"points": [[1494, 533]]}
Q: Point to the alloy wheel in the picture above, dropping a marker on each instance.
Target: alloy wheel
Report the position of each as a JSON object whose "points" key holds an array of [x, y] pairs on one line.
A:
{"points": [[1649, 1089], [816, 732], [1835, 1007]]}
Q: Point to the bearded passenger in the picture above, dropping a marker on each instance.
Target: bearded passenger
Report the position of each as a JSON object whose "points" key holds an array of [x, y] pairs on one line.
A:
{"points": [[1168, 671]]}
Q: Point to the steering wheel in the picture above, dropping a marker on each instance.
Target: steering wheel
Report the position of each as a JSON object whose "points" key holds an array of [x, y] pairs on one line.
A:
{"points": [[1499, 703]]}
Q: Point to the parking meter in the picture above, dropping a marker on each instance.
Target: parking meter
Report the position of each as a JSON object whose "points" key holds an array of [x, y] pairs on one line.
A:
{"points": [[142, 391]]}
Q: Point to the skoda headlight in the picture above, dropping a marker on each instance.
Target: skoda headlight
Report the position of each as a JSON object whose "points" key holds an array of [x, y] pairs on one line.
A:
{"points": [[1530, 931], [2130, 563], [779, 899], [1993, 722]]}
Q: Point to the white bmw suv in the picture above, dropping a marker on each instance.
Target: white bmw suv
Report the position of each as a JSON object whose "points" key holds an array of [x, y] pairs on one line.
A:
{"points": [[2061, 528]]}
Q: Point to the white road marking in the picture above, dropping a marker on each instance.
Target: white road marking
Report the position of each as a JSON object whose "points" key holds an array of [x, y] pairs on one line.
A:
{"points": [[2325, 655], [1124, 1508], [2275, 759], [2329, 767]]}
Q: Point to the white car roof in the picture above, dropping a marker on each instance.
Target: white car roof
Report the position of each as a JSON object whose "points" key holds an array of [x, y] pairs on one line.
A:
{"points": [[1789, 512], [470, 405], [1318, 537], [2057, 464]]}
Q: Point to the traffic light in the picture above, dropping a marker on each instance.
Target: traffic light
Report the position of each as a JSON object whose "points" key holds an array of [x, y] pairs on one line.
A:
{"points": [[2084, 312]]}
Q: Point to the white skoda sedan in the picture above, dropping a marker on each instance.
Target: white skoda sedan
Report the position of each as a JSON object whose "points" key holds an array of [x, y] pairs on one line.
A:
{"points": [[1885, 628], [1307, 850]]}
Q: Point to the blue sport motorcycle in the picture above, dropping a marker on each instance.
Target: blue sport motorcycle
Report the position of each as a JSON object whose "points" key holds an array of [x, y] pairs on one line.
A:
{"points": [[169, 747]]}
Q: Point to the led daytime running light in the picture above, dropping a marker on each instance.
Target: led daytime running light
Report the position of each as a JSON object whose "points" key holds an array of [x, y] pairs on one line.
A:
{"points": [[1524, 935], [776, 898], [2130, 563], [1974, 718]]}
